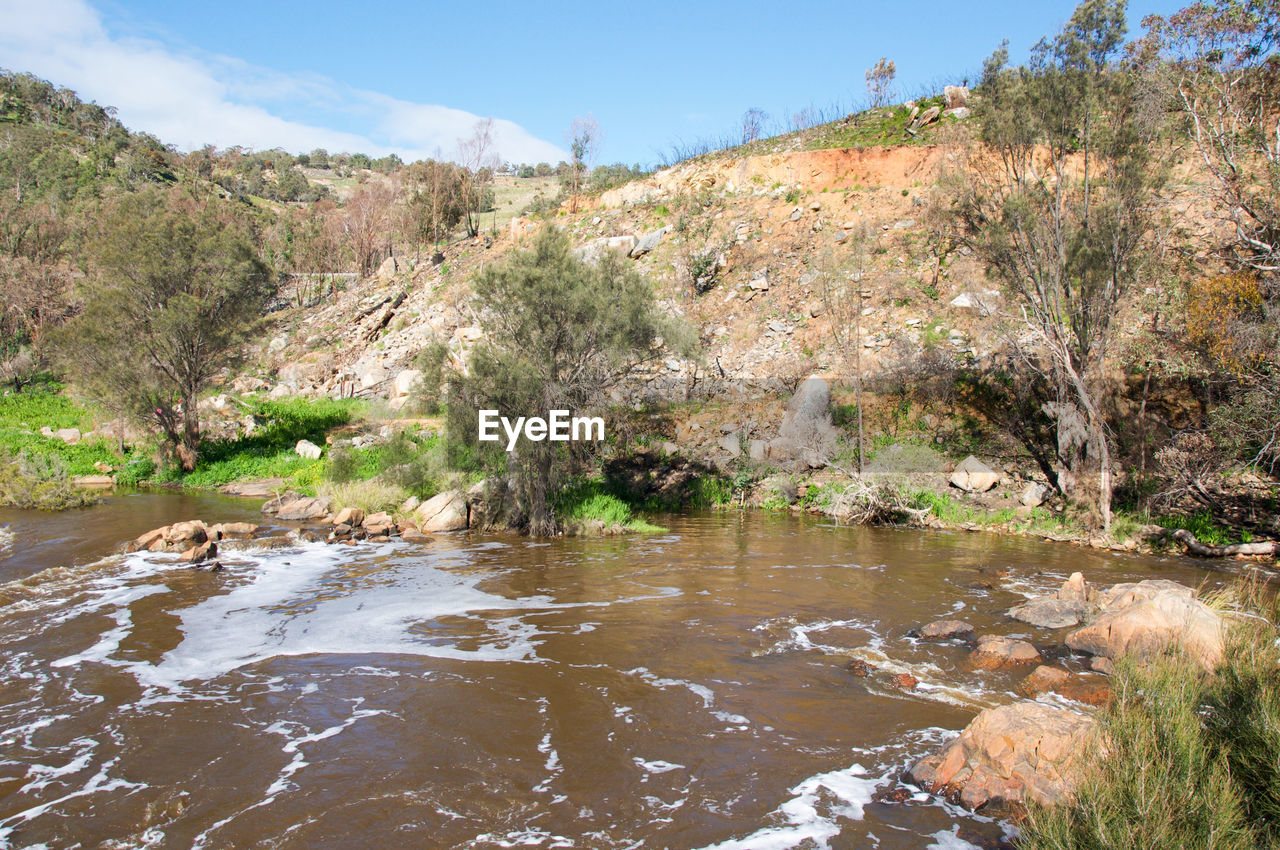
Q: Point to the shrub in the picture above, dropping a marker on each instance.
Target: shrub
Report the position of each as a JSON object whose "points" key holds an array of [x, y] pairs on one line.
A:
{"points": [[39, 482], [369, 496]]}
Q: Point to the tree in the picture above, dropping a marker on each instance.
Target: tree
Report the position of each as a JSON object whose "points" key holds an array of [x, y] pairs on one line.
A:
{"points": [[753, 124], [560, 333], [367, 217], [841, 287], [479, 160], [434, 200], [1057, 207], [880, 82], [584, 141], [1223, 58], [174, 289]]}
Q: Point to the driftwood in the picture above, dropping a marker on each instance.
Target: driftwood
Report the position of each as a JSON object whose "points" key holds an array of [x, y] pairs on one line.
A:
{"points": [[1206, 550]]}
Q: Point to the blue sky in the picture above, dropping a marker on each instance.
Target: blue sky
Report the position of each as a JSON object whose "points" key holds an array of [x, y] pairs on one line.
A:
{"points": [[415, 76]]}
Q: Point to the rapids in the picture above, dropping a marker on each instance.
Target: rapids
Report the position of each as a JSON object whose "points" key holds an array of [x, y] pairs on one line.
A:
{"points": [[687, 689]]}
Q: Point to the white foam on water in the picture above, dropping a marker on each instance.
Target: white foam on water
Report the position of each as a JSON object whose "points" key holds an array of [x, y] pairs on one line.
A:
{"points": [[943, 840], [100, 782], [310, 601], [530, 837], [6, 539], [812, 816], [658, 766]]}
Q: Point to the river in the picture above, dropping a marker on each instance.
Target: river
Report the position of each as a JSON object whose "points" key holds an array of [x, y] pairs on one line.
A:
{"points": [[688, 689]]}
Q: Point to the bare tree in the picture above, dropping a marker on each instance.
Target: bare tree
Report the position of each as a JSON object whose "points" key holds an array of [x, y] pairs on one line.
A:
{"points": [[479, 160], [841, 283], [1223, 55], [584, 142], [880, 82], [367, 218], [753, 124]]}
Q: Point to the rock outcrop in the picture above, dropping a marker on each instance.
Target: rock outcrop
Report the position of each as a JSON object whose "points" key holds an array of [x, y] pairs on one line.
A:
{"points": [[1142, 619], [996, 653], [303, 509], [1065, 608], [806, 432], [445, 511], [974, 476], [1011, 754]]}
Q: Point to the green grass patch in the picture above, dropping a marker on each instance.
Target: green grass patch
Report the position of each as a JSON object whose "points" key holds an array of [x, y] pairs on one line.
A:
{"points": [[591, 501], [269, 451], [710, 491], [1202, 525], [947, 509], [23, 414]]}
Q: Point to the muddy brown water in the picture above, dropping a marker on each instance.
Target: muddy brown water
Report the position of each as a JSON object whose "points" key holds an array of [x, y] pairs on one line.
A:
{"points": [[687, 689]]}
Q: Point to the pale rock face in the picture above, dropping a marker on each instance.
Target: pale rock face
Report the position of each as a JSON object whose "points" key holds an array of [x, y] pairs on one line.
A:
{"points": [[300, 510], [648, 242], [974, 476], [956, 96], [307, 449], [445, 511], [404, 383], [806, 429], [1011, 754], [1142, 620]]}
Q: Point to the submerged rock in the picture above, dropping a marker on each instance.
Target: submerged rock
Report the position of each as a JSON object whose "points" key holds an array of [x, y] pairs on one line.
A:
{"points": [[1011, 754], [947, 630]]}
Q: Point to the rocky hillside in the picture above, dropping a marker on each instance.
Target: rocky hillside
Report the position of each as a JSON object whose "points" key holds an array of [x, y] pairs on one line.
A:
{"points": [[788, 263]]}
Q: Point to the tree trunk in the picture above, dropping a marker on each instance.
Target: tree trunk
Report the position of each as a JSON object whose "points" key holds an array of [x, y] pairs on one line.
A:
{"points": [[1205, 550], [541, 521], [187, 449]]}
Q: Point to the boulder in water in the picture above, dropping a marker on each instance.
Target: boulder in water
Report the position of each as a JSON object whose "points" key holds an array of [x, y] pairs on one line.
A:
{"points": [[1011, 754]]}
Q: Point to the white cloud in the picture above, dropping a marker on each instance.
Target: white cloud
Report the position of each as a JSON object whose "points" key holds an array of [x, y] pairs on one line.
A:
{"points": [[190, 99]]}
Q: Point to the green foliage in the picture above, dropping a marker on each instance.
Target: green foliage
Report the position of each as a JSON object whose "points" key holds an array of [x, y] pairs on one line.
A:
{"points": [[341, 466], [1202, 525], [177, 288], [269, 451], [560, 334], [710, 491], [952, 512], [22, 415], [1193, 760], [38, 482]]}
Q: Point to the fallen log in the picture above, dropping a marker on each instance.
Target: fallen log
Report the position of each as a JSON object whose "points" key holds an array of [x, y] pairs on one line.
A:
{"points": [[1207, 550]]}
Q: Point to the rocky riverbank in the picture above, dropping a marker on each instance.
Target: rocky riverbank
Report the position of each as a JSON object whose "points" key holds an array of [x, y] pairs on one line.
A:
{"points": [[1037, 750]]}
